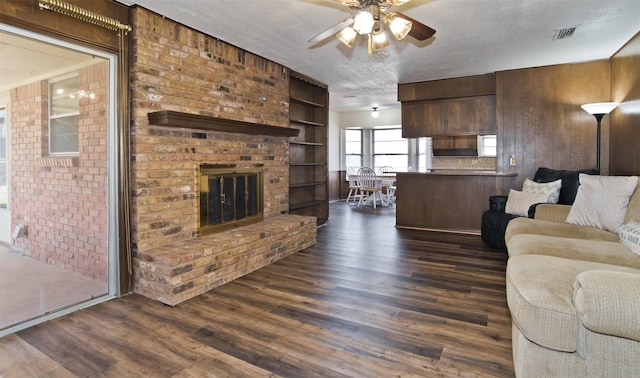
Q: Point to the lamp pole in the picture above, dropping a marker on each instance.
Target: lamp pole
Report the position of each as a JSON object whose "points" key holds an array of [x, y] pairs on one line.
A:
{"points": [[599, 110], [599, 119]]}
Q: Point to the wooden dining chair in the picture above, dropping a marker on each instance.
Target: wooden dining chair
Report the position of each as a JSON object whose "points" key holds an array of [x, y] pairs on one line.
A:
{"points": [[354, 186], [388, 184], [370, 187]]}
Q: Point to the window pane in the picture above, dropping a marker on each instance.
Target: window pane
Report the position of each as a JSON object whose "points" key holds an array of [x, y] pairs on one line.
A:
{"points": [[488, 145], [64, 134], [353, 135], [353, 147], [4, 196], [398, 162], [391, 147], [354, 161], [65, 96]]}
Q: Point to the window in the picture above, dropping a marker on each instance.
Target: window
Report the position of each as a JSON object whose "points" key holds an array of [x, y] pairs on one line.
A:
{"points": [[424, 153], [64, 112], [390, 149], [353, 148], [4, 187], [487, 145]]}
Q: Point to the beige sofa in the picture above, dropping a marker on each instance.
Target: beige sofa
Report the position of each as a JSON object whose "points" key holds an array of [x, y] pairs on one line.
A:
{"points": [[574, 296]]}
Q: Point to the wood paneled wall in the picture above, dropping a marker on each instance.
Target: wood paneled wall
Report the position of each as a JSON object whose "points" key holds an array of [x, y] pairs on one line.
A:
{"points": [[625, 120], [540, 121]]}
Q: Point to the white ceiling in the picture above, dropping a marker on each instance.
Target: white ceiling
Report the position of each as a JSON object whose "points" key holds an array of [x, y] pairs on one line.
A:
{"points": [[473, 37]]}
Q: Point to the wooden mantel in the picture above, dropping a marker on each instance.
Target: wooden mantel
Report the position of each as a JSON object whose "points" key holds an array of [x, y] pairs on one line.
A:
{"points": [[171, 118]]}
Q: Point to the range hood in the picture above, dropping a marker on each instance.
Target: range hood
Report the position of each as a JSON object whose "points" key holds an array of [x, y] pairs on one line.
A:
{"points": [[458, 145], [455, 152]]}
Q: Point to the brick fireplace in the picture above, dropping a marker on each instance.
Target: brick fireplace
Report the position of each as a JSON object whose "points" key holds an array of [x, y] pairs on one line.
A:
{"points": [[199, 101]]}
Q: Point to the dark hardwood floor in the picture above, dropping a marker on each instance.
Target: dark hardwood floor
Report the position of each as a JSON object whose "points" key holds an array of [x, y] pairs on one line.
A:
{"points": [[369, 300]]}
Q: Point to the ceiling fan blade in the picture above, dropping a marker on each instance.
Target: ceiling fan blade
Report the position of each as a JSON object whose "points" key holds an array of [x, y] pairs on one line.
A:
{"points": [[332, 30], [418, 30], [349, 3], [390, 3]]}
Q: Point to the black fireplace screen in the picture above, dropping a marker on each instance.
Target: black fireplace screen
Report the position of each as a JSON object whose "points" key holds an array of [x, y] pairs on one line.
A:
{"points": [[229, 197]]}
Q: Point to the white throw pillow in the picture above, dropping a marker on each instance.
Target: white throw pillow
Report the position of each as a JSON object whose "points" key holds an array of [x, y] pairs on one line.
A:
{"points": [[630, 235], [602, 201], [550, 189], [518, 203]]}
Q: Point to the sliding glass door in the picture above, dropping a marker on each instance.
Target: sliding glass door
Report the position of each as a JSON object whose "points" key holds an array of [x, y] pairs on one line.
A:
{"points": [[57, 197]]}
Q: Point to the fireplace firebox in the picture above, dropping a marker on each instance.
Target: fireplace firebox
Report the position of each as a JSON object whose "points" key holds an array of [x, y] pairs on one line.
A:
{"points": [[230, 197]]}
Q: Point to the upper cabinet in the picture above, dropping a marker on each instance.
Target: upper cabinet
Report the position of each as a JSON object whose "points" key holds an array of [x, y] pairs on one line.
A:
{"points": [[464, 116], [460, 106], [423, 118]]}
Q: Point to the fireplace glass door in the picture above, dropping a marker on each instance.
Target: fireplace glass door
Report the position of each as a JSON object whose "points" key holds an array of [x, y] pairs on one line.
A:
{"points": [[229, 197]]}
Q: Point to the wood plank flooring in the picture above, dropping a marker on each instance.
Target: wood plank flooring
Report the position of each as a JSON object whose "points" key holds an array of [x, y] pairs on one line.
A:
{"points": [[369, 300]]}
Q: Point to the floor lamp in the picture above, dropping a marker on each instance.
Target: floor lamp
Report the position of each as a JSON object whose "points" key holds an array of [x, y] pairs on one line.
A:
{"points": [[599, 110]]}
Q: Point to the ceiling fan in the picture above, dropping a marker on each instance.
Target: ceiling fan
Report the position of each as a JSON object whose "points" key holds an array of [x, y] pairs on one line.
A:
{"points": [[369, 19]]}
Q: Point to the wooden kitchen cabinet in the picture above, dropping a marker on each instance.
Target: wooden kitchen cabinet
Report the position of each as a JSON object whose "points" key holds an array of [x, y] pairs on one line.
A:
{"points": [[475, 115], [423, 118], [459, 116]]}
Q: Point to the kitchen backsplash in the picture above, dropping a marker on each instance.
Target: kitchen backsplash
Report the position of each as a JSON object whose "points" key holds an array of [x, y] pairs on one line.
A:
{"points": [[479, 163]]}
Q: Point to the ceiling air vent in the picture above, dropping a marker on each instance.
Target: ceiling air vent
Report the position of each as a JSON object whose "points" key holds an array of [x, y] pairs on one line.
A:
{"points": [[564, 33]]}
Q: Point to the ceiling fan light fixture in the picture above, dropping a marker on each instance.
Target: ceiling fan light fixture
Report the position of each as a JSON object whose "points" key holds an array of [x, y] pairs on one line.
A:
{"points": [[363, 22], [347, 36], [399, 26], [378, 39]]}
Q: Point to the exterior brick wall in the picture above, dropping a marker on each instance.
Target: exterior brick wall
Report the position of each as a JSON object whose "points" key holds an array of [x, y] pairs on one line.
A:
{"points": [[61, 200], [177, 68]]}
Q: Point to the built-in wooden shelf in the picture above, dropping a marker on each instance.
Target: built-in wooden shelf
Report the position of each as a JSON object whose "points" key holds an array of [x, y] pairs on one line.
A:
{"points": [[307, 184], [308, 174], [303, 205], [306, 143], [307, 164], [307, 102], [305, 122], [172, 118]]}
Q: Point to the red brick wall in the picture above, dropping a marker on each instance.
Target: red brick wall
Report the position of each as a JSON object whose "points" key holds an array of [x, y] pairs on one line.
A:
{"points": [[177, 68], [61, 200]]}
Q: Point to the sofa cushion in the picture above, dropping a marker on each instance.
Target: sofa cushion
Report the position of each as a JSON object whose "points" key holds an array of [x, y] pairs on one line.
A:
{"points": [[633, 210], [609, 252], [602, 201], [630, 236], [540, 294], [570, 181], [550, 189], [564, 230], [518, 203]]}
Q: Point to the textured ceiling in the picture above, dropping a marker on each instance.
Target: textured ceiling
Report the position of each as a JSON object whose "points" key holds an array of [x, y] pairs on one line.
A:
{"points": [[473, 37]]}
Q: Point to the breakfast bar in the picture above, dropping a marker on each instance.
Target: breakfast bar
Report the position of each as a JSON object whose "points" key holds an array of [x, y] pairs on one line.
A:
{"points": [[447, 200]]}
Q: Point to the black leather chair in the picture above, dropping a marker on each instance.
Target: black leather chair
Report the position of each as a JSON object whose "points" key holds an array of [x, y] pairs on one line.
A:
{"points": [[495, 220]]}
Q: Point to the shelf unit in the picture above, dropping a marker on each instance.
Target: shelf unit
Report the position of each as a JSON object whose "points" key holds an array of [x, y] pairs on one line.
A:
{"points": [[308, 170]]}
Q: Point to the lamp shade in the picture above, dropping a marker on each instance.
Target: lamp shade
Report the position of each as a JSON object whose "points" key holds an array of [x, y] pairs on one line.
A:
{"points": [[347, 36], [375, 113], [600, 107], [363, 22], [399, 26], [379, 40]]}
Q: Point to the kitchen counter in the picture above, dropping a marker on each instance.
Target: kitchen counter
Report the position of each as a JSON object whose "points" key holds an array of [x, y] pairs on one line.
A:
{"points": [[448, 200], [463, 172]]}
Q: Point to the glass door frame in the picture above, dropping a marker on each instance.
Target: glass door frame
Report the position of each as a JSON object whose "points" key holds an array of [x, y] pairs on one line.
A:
{"points": [[112, 180]]}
